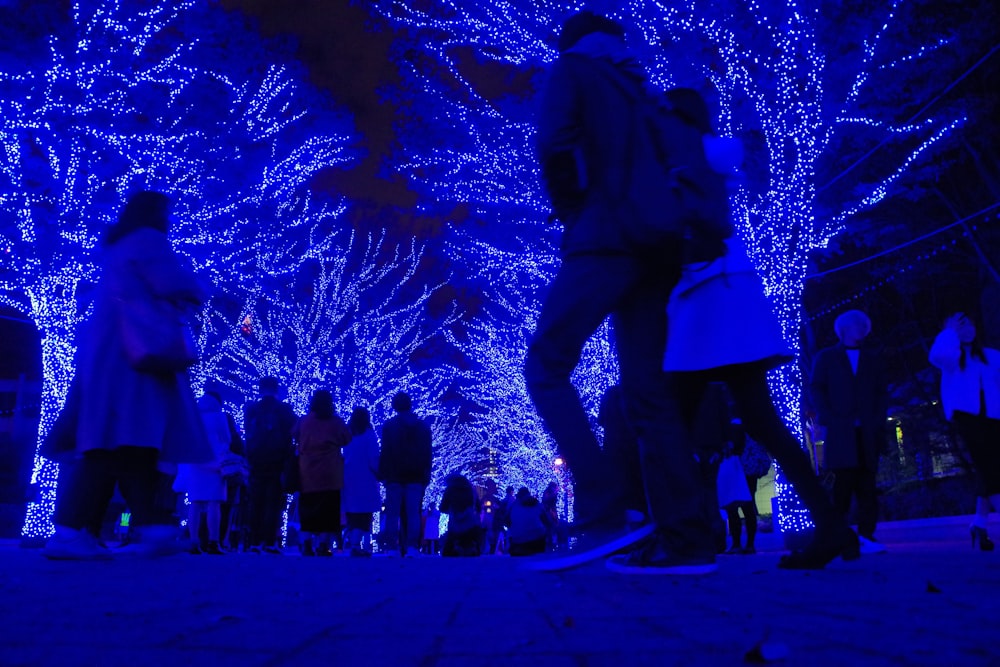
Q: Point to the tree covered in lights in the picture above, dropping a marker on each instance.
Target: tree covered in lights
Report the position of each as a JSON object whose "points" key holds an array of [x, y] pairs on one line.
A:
{"points": [[336, 310], [175, 96], [803, 87]]}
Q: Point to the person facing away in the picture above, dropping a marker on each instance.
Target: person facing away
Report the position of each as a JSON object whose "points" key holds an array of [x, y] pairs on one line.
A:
{"points": [[268, 423], [850, 393], [361, 495], [589, 137], [129, 421], [405, 470], [970, 395], [464, 536], [203, 482], [432, 530], [528, 524], [321, 435]]}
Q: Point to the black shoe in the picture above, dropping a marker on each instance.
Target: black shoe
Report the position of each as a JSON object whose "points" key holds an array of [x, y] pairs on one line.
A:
{"points": [[654, 557], [979, 535], [213, 548], [821, 551], [307, 548]]}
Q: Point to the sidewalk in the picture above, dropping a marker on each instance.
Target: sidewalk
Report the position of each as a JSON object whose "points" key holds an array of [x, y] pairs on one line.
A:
{"points": [[930, 601]]}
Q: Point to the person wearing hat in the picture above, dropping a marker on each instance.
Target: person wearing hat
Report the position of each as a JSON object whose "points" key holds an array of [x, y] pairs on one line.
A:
{"points": [[592, 148]]}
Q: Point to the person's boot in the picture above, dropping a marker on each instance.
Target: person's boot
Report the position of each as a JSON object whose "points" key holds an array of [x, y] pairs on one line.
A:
{"points": [[213, 549]]}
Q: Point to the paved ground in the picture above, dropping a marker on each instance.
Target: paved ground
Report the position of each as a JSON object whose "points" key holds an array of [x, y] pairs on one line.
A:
{"points": [[930, 601]]}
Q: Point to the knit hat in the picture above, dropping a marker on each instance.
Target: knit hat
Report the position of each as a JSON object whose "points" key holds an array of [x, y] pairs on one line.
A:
{"points": [[585, 23]]}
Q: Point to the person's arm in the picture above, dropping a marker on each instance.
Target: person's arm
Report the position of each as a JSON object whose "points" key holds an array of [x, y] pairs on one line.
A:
{"points": [[235, 439], [427, 445], [558, 138], [819, 387], [946, 351]]}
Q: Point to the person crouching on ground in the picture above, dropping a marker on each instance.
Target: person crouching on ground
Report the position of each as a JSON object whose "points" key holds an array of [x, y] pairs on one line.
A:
{"points": [[464, 536], [528, 524]]}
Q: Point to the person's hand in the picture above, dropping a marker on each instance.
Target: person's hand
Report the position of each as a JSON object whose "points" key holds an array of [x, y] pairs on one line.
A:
{"points": [[819, 432], [954, 322]]}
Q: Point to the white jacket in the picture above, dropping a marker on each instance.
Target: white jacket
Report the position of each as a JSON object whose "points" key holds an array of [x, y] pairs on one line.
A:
{"points": [[960, 388], [718, 315]]}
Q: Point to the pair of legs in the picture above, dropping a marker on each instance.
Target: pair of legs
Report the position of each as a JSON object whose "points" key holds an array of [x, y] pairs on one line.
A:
{"points": [[319, 517], [87, 486], [981, 436], [402, 516], [752, 397], [749, 510], [858, 482], [267, 502], [212, 511], [634, 291], [359, 531]]}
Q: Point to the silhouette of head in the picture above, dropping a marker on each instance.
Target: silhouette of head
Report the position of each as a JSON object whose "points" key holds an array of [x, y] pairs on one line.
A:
{"points": [[586, 23], [401, 402]]}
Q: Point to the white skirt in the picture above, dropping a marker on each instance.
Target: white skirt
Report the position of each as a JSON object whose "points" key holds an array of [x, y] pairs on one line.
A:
{"points": [[201, 481]]}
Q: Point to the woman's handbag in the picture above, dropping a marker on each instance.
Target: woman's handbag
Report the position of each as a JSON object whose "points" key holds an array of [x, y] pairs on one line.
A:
{"points": [[156, 335], [755, 459], [234, 468]]}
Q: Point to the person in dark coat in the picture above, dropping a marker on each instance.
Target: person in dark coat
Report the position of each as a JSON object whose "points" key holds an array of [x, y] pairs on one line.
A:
{"points": [[589, 148], [268, 423], [129, 421], [850, 394], [405, 470]]}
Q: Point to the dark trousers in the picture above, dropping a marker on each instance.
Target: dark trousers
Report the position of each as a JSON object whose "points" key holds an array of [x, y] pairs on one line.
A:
{"points": [[752, 397], [87, 485], [267, 502], [587, 289], [858, 482]]}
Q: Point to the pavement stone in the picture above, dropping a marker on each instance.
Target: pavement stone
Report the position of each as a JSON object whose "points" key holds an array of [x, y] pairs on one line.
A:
{"points": [[931, 600]]}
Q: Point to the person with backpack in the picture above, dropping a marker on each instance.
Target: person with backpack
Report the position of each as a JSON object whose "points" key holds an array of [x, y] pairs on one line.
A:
{"points": [[617, 169], [405, 470], [268, 423]]}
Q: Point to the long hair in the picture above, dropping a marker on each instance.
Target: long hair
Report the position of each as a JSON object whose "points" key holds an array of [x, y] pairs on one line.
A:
{"points": [[321, 404], [143, 209], [692, 107], [975, 348], [361, 421]]}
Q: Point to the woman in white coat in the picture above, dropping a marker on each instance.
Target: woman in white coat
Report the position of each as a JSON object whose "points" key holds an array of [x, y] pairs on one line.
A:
{"points": [[203, 482], [970, 393], [362, 492], [721, 328]]}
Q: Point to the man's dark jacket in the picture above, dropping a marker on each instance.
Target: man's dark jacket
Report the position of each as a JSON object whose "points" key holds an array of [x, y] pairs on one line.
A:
{"points": [[846, 402], [406, 451]]}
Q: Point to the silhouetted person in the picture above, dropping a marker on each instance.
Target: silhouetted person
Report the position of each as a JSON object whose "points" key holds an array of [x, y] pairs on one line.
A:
{"points": [[850, 391], [136, 410], [405, 470], [268, 423]]}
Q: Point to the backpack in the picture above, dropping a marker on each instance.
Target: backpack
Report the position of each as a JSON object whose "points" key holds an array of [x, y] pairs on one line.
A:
{"points": [[669, 182]]}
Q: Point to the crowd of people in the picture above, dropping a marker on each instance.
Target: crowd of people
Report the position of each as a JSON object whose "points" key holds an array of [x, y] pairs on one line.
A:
{"points": [[639, 182]]}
